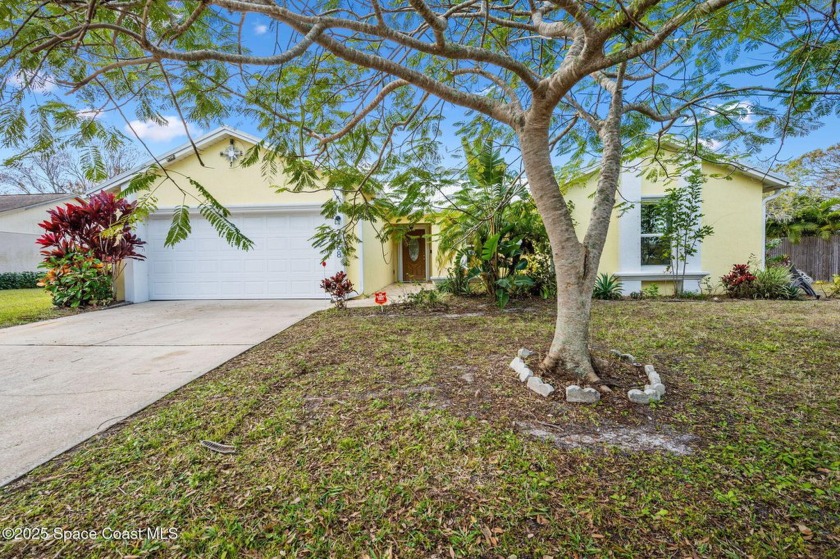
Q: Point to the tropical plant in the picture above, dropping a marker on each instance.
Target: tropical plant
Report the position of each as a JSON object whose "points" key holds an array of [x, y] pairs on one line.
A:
{"points": [[491, 225], [607, 287], [100, 225], [739, 282], [790, 292], [457, 281], [97, 230], [803, 214], [77, 279], [541, 269], [338, 287], [773, 282], [500, 267]]}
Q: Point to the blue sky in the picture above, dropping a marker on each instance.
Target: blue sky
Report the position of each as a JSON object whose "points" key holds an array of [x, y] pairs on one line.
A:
{"points": [[262, 38]]}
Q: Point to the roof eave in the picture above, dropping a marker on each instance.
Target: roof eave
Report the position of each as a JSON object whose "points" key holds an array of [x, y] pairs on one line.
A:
{"points": [[174, 155], [51, 202]]}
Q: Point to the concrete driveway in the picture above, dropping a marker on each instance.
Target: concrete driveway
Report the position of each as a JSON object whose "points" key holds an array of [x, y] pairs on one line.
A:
{"points": [[64, 380]]}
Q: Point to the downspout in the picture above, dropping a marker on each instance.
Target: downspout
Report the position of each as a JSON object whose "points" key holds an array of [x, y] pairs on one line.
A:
{"points": [[764, 225]]}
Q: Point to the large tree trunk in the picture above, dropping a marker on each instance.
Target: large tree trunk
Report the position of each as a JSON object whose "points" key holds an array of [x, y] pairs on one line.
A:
{"points": [[569, 351], [575, 261]]}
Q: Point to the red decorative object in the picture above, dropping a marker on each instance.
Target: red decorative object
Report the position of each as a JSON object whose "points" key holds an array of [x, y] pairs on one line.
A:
{"points": [[380, 298], [338, 287], [81, 228], [324, 264]]}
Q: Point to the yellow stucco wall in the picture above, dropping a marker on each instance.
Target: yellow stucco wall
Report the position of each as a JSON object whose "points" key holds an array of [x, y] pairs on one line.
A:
{"points": [[734, 208], [580, 195], [231, 185], [732, 204], [380, 259]]}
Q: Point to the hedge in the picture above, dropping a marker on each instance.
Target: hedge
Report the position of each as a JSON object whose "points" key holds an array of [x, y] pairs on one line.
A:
{"points": [[19, 280]]}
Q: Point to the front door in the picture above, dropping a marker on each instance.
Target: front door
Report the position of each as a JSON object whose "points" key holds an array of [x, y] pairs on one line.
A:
{"points": [[414, 256]]}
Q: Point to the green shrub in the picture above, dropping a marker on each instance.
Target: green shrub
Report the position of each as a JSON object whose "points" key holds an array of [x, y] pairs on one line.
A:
{"points": [[77, 279], [19, 280], [650, 292], [541, 270], [791, 292], [457, 281], [607, 287], [772, 282], [831, 288], [428, 299]]}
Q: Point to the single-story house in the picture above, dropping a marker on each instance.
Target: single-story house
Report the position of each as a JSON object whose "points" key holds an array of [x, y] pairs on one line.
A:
{"points": [[20, 215], [734, 198], [283, 263]]}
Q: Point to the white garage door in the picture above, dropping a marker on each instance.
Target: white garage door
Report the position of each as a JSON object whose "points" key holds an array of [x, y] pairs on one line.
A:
{"points": [[282, 264]]}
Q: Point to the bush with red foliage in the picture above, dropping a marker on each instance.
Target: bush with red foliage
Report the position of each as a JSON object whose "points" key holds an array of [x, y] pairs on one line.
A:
{"points": [[739, 282], [84, 245], [99, 226], [338, 287]]}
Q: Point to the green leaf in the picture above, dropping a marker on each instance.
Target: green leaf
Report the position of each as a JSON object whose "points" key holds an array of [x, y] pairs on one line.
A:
{"points": [[180, 228], [489, 249], [225, 228]]}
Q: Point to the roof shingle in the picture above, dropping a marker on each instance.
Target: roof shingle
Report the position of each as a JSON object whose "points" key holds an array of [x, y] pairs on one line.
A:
{"points": [[16, 201]]}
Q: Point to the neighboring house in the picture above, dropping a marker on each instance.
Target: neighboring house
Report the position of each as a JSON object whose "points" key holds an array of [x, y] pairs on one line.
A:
{"points": [[282, 264], [733, 204], [20, 215]]}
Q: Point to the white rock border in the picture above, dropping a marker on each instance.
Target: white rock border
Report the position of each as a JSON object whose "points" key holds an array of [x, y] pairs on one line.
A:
{"points": [[653, 390], [578, 395], [527, 376]]}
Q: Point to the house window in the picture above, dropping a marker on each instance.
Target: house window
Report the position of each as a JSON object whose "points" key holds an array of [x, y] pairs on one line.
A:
{"points": [[654, 252]]}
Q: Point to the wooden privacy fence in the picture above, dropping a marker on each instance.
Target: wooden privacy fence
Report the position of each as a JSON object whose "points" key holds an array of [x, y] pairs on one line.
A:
{"points": [[818, 258]]}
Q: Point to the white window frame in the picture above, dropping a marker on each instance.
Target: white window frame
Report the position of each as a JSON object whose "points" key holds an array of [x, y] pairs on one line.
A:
{"points": [[648, 200]]}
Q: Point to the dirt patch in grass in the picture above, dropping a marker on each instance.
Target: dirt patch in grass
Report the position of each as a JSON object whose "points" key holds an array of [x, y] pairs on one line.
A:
{"points": [[404, 433], [601, 438]]}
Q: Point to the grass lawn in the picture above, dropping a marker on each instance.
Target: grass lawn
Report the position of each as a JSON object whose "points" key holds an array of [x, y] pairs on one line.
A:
{"points": [[18, 306], [403, 434]]}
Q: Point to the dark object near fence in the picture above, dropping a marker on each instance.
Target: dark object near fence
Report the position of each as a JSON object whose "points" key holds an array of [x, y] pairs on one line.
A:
{"points": [[819, 258], [802, 281]]}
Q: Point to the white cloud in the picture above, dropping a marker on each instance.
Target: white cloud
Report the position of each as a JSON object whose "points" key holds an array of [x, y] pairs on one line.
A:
{"points": [[746, 112], [174, 128], [39, 83], [260, 29], [713, 145]]}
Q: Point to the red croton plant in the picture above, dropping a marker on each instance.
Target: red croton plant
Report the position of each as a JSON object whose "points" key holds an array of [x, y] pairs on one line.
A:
{"points": [[99, 226], [84, 245], [339, 287]]}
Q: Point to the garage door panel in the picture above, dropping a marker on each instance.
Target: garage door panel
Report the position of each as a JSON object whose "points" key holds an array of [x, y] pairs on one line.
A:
{"points": [[282, 264]]}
